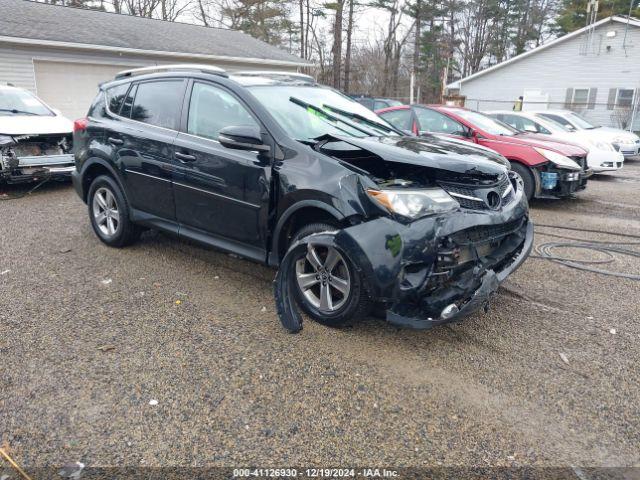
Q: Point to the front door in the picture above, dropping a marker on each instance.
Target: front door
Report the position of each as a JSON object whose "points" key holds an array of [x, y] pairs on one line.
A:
{"points": [[220, 191]]}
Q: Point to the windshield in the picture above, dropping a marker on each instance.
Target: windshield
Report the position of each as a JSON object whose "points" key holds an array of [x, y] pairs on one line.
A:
{"points": [[20, 102], [580, 122], [483, 122], [308, 112]]}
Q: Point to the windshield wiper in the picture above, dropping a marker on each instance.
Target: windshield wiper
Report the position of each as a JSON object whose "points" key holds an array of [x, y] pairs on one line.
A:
{"points": [[15, 110], [362, 118], [329, 116]]}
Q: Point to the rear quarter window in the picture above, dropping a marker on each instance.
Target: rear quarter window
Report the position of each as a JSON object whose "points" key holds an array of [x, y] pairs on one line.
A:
{"points": [[116, 96]]}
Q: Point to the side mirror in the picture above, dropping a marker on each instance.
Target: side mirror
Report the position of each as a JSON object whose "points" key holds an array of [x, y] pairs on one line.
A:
{"points": [[242, 137]]}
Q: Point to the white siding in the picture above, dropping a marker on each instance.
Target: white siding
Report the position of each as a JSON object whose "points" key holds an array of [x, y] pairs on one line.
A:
{"points": [[16, 62], [563, 66]]}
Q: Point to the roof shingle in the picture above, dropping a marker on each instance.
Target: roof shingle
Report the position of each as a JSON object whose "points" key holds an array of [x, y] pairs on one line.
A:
{"points": [[39, 21]]}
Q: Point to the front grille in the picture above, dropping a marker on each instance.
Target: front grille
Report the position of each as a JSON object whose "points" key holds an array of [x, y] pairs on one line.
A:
{"points": [[486, 233], [477, 192]]}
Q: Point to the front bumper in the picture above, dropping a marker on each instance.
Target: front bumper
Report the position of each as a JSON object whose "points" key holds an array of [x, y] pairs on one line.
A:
{"points": [[603, 161], [438, 270], [628, 149], [28, 169]]}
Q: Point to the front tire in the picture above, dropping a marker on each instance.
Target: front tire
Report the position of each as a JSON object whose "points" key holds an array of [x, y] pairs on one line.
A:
{"points": [[328, 287], [109, 213], [527, 178]]}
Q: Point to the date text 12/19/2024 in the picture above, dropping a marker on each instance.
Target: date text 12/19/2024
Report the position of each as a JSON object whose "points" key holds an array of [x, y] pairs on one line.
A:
{"points": [[314, 473]]}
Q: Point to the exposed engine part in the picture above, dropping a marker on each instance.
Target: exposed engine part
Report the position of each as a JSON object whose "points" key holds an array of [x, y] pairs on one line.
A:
{"points": [[34, 157]]}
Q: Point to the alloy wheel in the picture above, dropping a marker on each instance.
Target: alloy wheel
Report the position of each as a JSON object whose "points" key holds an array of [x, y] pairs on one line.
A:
{"points": [[323, 278], [105, 211]]}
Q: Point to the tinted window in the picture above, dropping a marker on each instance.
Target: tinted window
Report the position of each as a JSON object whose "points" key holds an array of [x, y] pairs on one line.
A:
{"points": [[211, 109], [398, 118], [116, 96], [158, 103], [127, 104], [436, 122]]}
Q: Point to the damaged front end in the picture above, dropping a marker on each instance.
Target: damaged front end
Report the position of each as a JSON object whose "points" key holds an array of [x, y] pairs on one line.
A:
{"points": [[28, 158], [436, 268]]}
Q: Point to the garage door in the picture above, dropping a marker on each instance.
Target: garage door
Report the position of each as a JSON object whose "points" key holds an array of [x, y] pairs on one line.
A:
{"points": [[71, 87]]}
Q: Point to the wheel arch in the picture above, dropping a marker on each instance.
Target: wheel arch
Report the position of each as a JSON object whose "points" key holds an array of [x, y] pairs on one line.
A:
{"points": [[93, 168], [294, 218]]}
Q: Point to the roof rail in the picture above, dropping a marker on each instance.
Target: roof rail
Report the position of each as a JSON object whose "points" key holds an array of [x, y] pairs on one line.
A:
{"points": [[274, 73], [172, 68]]}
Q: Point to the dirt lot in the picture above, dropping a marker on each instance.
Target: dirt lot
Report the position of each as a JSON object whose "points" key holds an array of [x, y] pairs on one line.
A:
{"points": [[233, 389]]}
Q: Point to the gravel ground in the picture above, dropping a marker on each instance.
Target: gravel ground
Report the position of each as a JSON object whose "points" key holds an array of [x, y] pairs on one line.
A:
{"points": [[90, 335]]}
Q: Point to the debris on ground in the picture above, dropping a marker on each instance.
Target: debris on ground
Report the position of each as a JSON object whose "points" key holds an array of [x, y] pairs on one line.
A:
{"points": [[4, 272], [564, 358], [153, 402], [178, 302], [263, 309], [613, 331], [106, 348], [106, 281], [72, 470]]}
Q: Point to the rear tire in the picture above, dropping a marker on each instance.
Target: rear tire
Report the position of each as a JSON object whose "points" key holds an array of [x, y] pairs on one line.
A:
{"points": [[328, 288], [527, 177], [109, 213]]}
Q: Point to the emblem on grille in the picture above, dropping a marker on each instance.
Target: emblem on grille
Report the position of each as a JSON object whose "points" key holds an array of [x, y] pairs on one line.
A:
{"points": [[493, 200]]}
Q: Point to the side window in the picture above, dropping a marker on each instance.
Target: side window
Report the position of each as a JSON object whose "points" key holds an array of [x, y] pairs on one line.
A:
{"points": [[116, 96], [436, 122], [127, 104], [211, 109], [510, 120], [558, 119], [158, 103], [379, 104], [541, 129], [398, 118]]}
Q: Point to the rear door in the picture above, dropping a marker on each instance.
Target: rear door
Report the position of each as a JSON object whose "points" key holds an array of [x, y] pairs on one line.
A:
{"points": [[142, 137], [220, 191]]}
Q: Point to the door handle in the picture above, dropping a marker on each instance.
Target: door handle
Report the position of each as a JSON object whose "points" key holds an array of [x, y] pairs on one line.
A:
{"points": [[185, 157], [115, 141]]}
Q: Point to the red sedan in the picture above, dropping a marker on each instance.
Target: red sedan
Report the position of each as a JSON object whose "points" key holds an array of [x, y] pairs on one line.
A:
{"points": [[548, 168]]}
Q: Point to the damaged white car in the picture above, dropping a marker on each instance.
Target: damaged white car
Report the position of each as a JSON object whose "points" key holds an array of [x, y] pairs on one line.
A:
{"points": [[35, 139]]}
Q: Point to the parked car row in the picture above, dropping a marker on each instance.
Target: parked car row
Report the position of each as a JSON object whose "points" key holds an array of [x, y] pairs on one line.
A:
{"points": [[548, 167]]}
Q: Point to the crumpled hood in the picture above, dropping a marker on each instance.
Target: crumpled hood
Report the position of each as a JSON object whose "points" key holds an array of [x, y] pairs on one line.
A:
{"points": [[18, 125], [434, 152]]}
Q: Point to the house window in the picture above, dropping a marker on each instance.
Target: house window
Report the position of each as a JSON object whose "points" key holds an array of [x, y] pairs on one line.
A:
{"points": [[624, 97], [580, 96]]}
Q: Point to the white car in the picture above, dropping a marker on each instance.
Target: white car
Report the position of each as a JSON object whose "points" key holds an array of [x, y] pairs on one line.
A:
{"points": [[625, 142], [601, 156], [35, 140]]}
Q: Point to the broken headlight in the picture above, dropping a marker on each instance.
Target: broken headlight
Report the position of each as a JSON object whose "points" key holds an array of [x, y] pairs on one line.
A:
{"points": [[558, 159], [415, 203]]}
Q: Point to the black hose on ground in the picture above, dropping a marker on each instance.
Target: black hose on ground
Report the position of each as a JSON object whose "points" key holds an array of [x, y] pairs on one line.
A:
{"points": [[609, 248]]}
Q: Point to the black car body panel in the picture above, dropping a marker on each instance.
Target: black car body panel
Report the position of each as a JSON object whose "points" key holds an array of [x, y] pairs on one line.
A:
{"points": [[247, 202]]}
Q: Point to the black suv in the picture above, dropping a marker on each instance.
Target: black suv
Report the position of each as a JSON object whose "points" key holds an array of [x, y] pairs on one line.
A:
{"points": [[272, 166]]}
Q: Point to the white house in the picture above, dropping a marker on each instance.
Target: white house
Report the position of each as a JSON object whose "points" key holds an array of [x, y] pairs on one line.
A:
{"points": [[62, 53], [594, 70]]}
